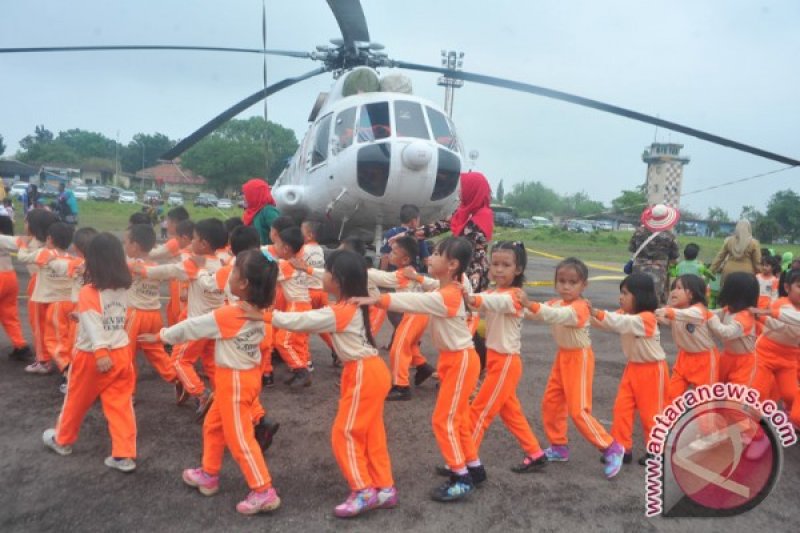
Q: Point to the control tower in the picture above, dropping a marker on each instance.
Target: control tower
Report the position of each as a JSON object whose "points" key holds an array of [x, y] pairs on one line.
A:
{"points": [[664, 173]]}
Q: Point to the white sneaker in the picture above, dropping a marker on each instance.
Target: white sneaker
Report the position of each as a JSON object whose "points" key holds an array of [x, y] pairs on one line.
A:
{"points": [[49, 440], [125, 464], [38, 367]]}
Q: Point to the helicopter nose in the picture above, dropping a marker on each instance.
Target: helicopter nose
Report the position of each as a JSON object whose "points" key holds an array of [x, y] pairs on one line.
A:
{"points": [[417, 155]]}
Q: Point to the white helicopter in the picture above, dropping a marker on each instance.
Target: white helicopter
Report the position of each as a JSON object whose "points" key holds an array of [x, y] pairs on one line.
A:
{"points": [[372, 146]]}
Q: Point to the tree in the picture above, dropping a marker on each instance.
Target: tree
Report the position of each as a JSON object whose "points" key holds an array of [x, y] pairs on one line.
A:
{"points": [[766, 230], [580, 205], [533, 198], [70, 147], [144, 150], [500, 193], [236, 152], [750, 213], [630, 202], [784, 209], [2, 145], [716, 215]]}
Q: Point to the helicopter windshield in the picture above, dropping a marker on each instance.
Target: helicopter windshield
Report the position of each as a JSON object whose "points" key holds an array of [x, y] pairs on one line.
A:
{"points": [[374, 123], [409, 120], [320, 152], [442, 131], [343, 128]]}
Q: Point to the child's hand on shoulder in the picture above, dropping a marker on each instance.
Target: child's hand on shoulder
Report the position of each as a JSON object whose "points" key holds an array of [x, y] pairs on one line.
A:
{"points": [[298, 263], [523, 297], [408, 272]]}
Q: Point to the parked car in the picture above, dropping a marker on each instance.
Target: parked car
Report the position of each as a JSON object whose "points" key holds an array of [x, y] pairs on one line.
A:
{"points": [[206, 200], [115, 192], [224, 203], [542, 222], [18, 189], [48, 190], [627, 227], [604, 225], [580, 226], [504, 219], [525, 223], [175, 198], [127, 197], [100, 193], [81, 192], [152, 197]]}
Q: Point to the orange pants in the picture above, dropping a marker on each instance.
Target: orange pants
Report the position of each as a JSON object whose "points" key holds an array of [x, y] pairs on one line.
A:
{"points": [[38, 318], [358, 436], [319, 299], [737, 368], [376, 318], [498, 395], [693, 368], [405, 351], [184, 357], [9, 314], [56, 329], [293, 346], [29, 293], [266, 350], [643, 388], [229, 422], [794, 415], [458, 375], [174, 304], [149, 321], [569, 391], [115, 389], [778, 361]]}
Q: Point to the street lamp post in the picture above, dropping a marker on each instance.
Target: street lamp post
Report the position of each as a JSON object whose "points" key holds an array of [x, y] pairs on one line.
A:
{"points": [[454, 61]]}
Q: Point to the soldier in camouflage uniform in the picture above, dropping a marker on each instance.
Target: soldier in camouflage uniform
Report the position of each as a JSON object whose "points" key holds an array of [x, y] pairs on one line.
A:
{"points": [[655, 259]]}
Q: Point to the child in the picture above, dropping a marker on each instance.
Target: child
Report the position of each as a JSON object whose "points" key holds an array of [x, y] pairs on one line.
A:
{"points": [[235, 331], [404, 351], [358, 436], [690, 263], [101, 364], [278, 225], [735, 326], [170, 251], [409, 223], [768, 281], [697, 362], [643, 386], [376, 315], [498, 392], [9, 288], [209, 237], [139, 217], [569, 387], [144, 310], [458, 363], [314, 256]]}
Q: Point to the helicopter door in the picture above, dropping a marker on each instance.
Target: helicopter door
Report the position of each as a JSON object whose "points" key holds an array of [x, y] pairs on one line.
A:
{"points": [[319, 150]]}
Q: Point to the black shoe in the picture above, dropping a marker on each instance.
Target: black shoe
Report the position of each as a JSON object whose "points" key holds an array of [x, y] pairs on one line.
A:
{"points": [[168, 348], [300, 376], [265, 432], [180, 393], [424, 371], [643, 459], [529, 465], [456, 488], [203, 405], [477, 473], [21, 354], [397, 393], [626, 459], [337, 363], [267, 381]]}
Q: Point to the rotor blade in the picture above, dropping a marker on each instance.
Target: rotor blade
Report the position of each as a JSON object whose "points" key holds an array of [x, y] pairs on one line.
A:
{"points": [[350, 18], [594, 104], [228, 114], [287, 53]]}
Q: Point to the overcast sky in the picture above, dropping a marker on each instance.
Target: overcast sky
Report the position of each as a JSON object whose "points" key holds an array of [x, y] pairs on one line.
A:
{"points": [[728, 67]]}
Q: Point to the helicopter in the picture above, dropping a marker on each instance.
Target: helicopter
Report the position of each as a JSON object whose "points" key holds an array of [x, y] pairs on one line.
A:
{"points": [[357, 164]]}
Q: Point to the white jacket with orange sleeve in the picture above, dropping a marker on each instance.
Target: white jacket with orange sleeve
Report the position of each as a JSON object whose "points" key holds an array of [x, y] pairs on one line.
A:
{"points": [[238, 337], [27, 253], [342, 320], [503, 312], [397, 281], [737, 331], [639, 334], [168, 252], [144, 292], [314, 256], [783, 323], [8, 244], [202, 299], [50, 285], [690, 330], [294, 282], [69, 266], [101, 320], [569, 321], [448, 316]]}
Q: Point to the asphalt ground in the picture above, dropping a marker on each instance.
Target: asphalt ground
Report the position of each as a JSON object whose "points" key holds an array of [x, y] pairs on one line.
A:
{"points": [[42, 491]]}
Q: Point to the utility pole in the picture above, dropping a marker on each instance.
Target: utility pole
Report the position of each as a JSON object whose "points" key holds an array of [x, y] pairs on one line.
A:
{"points": [[454, 61]]}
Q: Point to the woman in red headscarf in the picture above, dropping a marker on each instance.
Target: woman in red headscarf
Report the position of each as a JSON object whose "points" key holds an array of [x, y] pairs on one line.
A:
{"points": [[259, 207]]}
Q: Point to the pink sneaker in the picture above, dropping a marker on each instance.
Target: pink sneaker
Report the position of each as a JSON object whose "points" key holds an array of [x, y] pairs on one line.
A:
{"points": [[207, 484], [259, 502], [357, 503], [387, 498]]}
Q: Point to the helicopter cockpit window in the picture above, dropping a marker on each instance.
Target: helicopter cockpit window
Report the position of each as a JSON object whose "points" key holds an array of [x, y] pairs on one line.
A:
{"points": [[343, 128], [374, 123], [409, 120], [320, 152], [442, 132]]}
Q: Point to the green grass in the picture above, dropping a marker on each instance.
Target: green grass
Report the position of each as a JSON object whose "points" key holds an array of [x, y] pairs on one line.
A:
{"points": [[608, 247]]}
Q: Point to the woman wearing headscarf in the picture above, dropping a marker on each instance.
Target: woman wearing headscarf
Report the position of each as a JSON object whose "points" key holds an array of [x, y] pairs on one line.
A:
{"points": [[259, 207], [740, 252]]}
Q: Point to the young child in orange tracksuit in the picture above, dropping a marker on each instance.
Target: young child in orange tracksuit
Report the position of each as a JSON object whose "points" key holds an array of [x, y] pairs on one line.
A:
{"points": [[52, 294], [377, 316], [458, 363], [9, 289], [144, 306], [179, 232], [698, 360], [569, 387], [405, 351], [358, 436], [209, 236], [734, 325], [498, 392], [643, 386], [101, 365], [768, 281], [236, 331], [314, 256]]}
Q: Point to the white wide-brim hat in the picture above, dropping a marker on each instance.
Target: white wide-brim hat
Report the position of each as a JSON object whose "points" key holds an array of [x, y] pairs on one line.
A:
{"points": [[660, 217]]}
